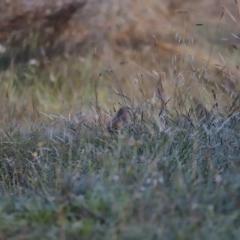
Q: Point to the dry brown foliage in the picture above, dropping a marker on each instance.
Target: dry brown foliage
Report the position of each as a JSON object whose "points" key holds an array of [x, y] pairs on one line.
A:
{"points": [[154, 37]]}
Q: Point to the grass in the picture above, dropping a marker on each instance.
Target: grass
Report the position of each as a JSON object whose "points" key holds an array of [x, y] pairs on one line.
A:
{"points": [[171, 172], [141, 183]]}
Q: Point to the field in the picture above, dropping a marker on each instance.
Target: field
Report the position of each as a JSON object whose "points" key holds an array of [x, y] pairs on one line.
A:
{"points": [[167, 168]]}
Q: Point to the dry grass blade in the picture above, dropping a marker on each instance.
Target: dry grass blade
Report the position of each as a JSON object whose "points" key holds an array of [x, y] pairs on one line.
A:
{"points": [[231, 16]]}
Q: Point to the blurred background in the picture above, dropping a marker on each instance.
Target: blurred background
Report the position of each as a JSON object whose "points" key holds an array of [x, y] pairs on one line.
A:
{"points": [[64, 56]]}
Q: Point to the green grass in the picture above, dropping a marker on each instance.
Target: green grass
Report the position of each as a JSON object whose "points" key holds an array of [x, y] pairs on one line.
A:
{"points": [[180, 183]]}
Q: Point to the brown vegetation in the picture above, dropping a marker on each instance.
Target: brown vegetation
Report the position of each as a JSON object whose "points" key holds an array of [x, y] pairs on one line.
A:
{"points": [[177, 43]]}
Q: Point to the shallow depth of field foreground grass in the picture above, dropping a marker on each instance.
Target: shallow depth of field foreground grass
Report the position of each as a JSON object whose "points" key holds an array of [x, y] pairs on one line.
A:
{"points": [[178, 178]]}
